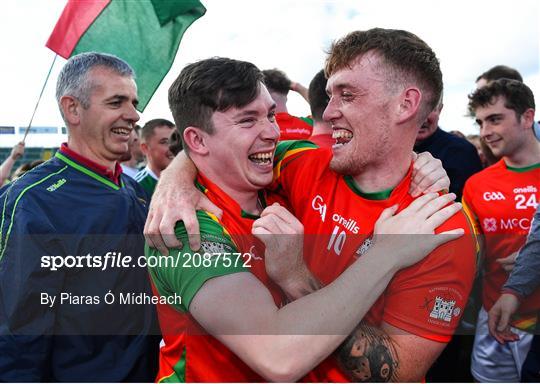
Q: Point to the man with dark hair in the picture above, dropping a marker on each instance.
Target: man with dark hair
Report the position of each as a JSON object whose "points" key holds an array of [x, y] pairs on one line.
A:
{"points": [[279, 85], [498, 72], [61, 224], [459, 157], [318, 100], [503, 199], [155, 139], [382, 85]]}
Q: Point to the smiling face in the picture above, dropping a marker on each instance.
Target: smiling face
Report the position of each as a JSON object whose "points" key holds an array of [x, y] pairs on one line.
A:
{"points": [[105, 127], [156, 148], [241, 149], [500, 128], [360, 113]]}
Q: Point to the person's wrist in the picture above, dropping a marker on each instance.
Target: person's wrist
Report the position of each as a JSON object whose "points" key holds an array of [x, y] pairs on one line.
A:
{"points": [[509, 291]]}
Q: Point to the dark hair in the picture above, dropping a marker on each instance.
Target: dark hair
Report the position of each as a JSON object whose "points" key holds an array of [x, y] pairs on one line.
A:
{"points": [[318, 98], [500, 72], [210, 85], [148, 129], [276, 81], [407, 57], [517, 95]]}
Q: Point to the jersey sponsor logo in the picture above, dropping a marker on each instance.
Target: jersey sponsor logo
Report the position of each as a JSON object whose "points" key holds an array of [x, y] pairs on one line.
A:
{"points": [[493, 196], [55, 186], [490, 224], [514, 223], [318, 205]]}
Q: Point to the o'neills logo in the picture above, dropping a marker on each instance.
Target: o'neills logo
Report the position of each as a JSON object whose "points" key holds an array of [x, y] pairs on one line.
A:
{"points": [[349, 224], [527, 189]]}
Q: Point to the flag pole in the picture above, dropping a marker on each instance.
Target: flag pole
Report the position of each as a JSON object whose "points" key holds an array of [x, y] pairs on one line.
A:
{"points": [[39, 99]]}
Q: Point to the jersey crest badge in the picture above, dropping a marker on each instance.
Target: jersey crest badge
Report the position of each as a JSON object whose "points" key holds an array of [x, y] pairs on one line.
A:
{"points": [[443, 309]]}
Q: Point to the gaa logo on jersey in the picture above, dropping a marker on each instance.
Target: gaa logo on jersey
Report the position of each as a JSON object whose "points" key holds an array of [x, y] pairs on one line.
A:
{"points": [[490, 224], [494, 196], [319, 206]]}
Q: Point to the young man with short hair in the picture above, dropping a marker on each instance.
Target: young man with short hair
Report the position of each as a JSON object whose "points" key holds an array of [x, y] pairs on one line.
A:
{"points": [[155, 140], [279, 85], [503, 199]]}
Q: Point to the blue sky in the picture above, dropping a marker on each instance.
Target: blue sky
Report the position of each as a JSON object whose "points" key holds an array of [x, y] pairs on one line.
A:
{"points": [[468, 37]]}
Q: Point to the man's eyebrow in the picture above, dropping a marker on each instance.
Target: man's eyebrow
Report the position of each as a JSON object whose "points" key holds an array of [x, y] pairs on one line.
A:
{"points": [[122, 98], [493, 115], [251, 112], [339, 87]]}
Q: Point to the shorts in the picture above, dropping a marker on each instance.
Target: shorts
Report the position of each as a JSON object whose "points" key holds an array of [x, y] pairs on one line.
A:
{"points": [[494, 362]]}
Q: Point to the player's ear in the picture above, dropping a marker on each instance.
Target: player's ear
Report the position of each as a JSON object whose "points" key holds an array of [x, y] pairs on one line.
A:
{"points": [[144, 148], [409, 104], [71, 108], [527, 118], [195, 140]]}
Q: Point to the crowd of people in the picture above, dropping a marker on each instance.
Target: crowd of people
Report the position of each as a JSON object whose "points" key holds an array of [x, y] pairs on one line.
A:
{"points": [[240, 243]]}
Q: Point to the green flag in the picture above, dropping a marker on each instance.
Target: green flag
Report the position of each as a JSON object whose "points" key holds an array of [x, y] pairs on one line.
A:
{"points": [[144, 33]]}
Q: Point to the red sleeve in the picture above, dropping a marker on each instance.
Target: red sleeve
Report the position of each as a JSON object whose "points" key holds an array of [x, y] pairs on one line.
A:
{"points": [[429, 298]]}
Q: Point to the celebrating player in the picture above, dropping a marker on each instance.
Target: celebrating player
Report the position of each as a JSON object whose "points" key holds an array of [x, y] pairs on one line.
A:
{"points": [[503, 199]]}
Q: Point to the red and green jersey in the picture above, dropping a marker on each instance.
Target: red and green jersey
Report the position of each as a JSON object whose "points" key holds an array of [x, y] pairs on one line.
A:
{"points": [[502, 200], [292, 127], [188, 353], [426, 299]]}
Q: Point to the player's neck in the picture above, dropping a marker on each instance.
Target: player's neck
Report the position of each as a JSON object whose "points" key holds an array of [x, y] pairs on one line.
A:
{"points": [[281, 102], [247, 200], [528, 154], [383, 175], [321, 128], [154, 169], [80, 147], [132, 163]]}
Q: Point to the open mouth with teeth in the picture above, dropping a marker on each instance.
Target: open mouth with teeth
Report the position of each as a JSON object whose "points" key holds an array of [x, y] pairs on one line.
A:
{"points": [[261, 158], [342, 136], [121, 131]]}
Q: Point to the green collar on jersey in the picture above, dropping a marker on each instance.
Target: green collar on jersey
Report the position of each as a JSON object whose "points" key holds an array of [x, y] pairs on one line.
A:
{"points": [[381, 195], [88, 172], [262, 201], [524, 169]]}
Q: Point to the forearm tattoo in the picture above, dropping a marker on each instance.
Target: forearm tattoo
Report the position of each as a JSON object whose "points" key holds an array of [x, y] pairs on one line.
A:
{"points": [[368, 354]]}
